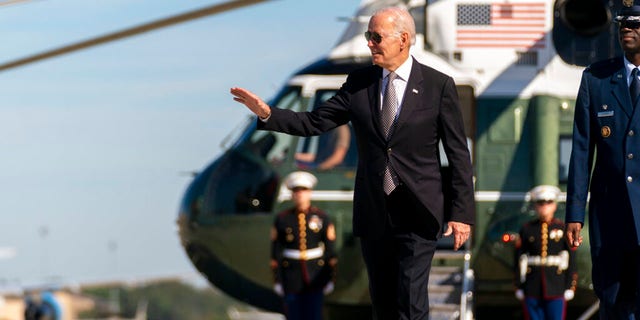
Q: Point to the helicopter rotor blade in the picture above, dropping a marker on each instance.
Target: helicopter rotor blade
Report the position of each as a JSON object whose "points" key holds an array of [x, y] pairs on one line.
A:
{"points": [[12, 2], [150, 26]]}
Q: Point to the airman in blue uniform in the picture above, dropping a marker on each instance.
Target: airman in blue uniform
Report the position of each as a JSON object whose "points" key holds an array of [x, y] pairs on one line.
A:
{"points": [[607, 129], [546, 276], [303, 258]]}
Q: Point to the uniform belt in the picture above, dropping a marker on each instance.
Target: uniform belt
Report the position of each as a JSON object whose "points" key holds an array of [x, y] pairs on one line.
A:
{"points": [[561, 261], [309, 254]]}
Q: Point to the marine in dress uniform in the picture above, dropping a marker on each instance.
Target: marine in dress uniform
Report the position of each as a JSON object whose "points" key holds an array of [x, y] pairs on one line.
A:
{"points": [[605, 164], [546, 274], [303, 258]]}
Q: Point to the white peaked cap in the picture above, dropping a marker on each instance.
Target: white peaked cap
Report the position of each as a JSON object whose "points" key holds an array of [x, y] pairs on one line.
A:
{"points": [[300, 179], [544, 193]]}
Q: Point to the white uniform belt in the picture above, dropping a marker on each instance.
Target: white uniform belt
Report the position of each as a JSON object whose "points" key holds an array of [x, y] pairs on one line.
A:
{"points": [[548, 261], [309, 254], [561, 261]]}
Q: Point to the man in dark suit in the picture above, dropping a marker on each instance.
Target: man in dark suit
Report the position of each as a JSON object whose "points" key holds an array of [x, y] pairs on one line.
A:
{"points": [[398, 205], [607, 125]]}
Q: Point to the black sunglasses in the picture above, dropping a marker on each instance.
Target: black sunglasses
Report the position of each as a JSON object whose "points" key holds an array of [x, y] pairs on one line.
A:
{"points": [[373, 36], [630, 24]]}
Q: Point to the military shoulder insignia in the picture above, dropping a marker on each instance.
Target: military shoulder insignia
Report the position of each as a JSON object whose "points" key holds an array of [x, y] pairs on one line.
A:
{"points": [[605, 131]]}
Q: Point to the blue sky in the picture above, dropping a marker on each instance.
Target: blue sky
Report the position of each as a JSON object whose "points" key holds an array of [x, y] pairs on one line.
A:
{"points": [[95, 144]]}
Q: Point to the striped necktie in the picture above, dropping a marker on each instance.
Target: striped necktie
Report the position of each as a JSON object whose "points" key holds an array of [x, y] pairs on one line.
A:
{"points": [[388, 117]]}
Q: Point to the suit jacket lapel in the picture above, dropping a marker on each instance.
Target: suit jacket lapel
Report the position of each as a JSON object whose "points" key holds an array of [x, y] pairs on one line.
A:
{"points": [[411, 94], [374, 96], [620, 90]]}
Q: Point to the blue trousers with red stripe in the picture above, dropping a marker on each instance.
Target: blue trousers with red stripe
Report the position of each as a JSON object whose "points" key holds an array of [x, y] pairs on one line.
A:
{"points": [[544, 309]]}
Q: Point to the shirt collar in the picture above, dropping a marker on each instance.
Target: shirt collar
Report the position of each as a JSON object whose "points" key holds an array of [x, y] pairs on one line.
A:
{"points": [[628, 66], [403, 71]]}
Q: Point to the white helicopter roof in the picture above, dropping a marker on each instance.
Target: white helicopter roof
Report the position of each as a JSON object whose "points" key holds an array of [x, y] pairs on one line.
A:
{"points": [[496, 64]]}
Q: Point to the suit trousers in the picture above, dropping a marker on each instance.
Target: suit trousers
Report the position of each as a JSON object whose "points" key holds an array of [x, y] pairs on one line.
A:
{"points": [[398, 263]]}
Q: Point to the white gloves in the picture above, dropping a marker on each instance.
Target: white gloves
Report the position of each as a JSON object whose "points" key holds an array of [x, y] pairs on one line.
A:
{"points": [[569, 294], [277, 288], [328, 288], [520, 294]]}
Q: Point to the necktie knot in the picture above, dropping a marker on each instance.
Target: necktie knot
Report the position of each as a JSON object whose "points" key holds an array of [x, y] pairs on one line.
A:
{"points": [[392, 75], [634, 86]]}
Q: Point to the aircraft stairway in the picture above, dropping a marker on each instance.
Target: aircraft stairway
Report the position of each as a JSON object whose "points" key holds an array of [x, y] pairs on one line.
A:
{"points": [[451, 286]]}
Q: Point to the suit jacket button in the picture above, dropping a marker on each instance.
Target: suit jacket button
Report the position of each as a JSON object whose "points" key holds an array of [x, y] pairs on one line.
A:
{"points": [[629, 179], [631, 133], [389, 150], [630, 156]]}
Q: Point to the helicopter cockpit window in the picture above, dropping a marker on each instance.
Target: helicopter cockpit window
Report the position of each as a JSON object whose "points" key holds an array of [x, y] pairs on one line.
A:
{"points": [[274, 146], [332, 149], [244, 180]]}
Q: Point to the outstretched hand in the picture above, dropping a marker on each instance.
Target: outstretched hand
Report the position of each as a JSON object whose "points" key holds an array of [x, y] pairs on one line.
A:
{"points": [[460, 231], [252, 101]]}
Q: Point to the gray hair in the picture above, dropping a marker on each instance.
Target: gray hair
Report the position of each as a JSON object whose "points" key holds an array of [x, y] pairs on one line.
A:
{"points": [[402, 21]]}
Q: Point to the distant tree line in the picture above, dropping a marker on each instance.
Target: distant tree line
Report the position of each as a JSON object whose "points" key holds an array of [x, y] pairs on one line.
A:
{"points": [[166, 300]]}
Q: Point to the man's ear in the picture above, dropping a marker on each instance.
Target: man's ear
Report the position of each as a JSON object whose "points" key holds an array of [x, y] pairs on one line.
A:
{"points": [[404, 37]]}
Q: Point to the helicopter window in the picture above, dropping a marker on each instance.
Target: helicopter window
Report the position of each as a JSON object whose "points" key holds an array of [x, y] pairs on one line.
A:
{"points": [[332, 149], [563, 159], [244, 180], [274, 146]]}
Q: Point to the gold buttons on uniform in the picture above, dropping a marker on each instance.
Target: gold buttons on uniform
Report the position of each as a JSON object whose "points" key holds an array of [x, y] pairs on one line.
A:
{"points": [[545, 238], [302, 232]]}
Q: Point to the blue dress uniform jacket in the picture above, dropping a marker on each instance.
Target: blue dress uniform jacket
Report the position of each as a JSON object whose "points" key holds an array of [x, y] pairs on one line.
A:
{"points": [[302, 247], [546, 275], [605, 121]]}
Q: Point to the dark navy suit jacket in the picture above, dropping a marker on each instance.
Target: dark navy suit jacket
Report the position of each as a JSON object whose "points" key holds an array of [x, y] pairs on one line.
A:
{"points": [[430, 113], [607, 128]]}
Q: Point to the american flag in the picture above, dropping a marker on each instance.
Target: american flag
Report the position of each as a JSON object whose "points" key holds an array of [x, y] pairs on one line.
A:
{"points": [[501, 25]]}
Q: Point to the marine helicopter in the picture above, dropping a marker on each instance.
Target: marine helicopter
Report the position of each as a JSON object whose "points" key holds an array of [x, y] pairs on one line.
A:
{"points": [[517, 90], [517, 66]]}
